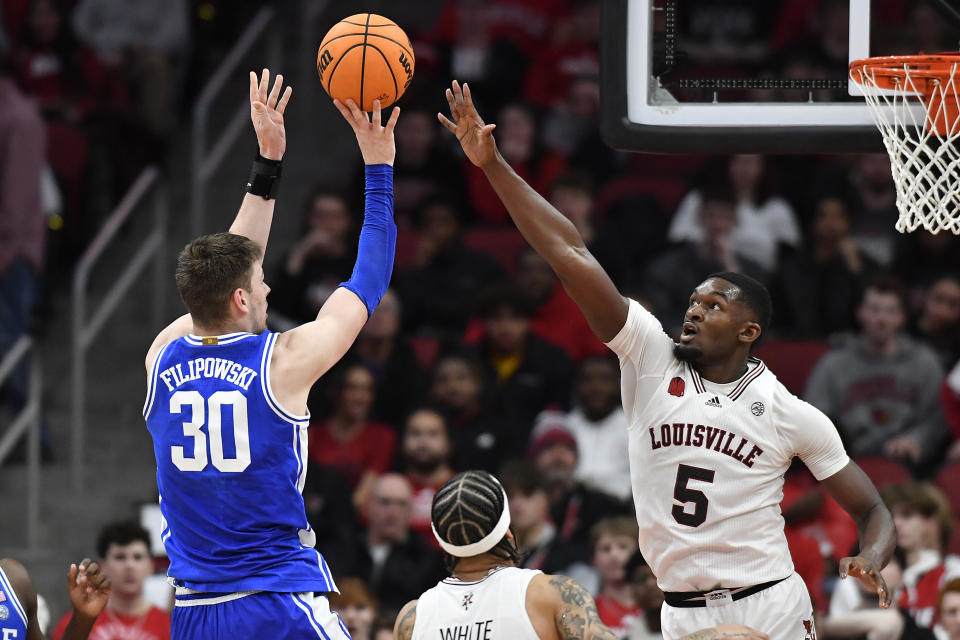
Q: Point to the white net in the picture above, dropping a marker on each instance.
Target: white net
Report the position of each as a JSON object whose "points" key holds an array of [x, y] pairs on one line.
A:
{"points": [[919, 132]]}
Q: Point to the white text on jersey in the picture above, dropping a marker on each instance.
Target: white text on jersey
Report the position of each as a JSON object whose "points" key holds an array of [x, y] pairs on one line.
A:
{"points": [[197, 368]]}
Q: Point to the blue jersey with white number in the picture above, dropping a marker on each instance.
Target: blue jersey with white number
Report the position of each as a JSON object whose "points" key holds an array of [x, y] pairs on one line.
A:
{"points": [[13, 617], [231, 464]]}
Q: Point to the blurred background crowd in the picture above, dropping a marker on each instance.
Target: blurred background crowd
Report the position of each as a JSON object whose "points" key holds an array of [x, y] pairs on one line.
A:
{"points": [[477, 358]]}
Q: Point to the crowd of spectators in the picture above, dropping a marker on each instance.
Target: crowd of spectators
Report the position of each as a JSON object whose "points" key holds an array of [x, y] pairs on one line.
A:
{"points": [[477, 358]]}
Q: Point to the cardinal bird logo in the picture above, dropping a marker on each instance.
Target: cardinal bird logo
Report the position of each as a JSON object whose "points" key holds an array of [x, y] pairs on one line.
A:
{"points": [[811, 631], [676, 387], [467, 601]]}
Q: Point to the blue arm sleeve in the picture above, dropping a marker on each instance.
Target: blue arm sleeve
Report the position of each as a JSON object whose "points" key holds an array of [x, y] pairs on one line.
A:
{"points": [[378, 239]]}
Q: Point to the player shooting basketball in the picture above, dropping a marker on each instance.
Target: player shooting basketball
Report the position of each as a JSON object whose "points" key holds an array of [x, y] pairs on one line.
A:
{"points": [[712, 431], [227, 404], [487, 595]]}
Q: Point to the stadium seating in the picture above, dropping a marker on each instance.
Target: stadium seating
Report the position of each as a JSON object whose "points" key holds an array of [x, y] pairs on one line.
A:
{"points": [[792, 360]]}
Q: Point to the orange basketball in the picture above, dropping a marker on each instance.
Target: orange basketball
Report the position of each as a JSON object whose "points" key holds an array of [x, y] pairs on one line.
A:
{"points": [[365, 57]]}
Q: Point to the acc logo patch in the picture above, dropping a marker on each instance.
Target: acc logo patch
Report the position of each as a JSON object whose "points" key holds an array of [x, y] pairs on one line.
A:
{"points": [[757, 408], [4, 612]]}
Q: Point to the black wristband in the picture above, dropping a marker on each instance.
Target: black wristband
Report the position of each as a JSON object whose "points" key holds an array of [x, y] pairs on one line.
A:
{"points": [[264, 180]]}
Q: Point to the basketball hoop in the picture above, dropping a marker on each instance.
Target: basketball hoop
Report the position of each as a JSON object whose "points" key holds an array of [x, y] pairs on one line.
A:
{"points": [[915, 105]]}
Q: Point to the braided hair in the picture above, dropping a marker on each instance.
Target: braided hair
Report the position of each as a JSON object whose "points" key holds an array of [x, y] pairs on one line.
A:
{"points": [[466, 509]]}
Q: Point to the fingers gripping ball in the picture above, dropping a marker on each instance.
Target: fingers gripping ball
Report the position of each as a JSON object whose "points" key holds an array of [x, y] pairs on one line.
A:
{"points": [[366, 57]]}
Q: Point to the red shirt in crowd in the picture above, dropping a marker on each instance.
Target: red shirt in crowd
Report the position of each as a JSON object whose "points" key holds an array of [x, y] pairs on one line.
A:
{"points": [[110, 625], [420, 508], [616, 615], [526, 23], [808, 563], [832, 524], [560, 322], [920, 599], [372, 448], [490, 210]]}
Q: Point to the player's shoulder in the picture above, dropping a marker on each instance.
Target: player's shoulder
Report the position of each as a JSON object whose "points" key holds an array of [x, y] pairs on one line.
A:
{"points": [[19, 580], [13, 569], [546, 589], [403, 628]]}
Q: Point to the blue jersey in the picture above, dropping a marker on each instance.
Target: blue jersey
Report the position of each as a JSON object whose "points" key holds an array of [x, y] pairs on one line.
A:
{"points": [[231, 464], [13, 617]]}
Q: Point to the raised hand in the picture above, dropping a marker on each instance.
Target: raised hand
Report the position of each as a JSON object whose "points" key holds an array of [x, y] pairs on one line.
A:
{"points": [[474, 135], [266, 113], [866, 569], [375, 140], [89, 589]]}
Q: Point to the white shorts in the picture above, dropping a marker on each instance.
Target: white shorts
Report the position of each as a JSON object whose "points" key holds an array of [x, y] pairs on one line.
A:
{"points": [[783, 612]]}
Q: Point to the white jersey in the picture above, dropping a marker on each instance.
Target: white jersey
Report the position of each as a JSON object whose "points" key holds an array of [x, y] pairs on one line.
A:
{"points": [[707, 462], [493, 608]]}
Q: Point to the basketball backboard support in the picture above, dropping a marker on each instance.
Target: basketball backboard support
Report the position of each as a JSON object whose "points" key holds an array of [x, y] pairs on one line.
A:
{"points": [[671, 84]]}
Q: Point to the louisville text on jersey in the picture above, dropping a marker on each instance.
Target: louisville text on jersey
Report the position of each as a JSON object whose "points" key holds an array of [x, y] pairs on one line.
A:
{"points": [[720, 440], [221, 368]]}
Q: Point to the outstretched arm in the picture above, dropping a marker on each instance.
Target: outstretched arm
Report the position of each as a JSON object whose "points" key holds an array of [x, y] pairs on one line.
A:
{"points": [[256, 212], [856, 494], [547, 230], [305, 353], [266, 113]]}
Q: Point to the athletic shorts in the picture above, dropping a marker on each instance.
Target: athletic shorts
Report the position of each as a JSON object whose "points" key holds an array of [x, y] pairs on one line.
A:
{"points": [[261, 614], [783, 612]]}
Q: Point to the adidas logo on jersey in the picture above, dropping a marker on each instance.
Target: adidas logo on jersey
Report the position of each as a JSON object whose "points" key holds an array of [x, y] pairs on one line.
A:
{"points": [[714, 402]]}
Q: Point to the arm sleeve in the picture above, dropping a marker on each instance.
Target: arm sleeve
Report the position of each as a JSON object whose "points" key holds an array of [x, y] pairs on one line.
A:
{"points": [[378, 239], [643, 341], [809, 434]]}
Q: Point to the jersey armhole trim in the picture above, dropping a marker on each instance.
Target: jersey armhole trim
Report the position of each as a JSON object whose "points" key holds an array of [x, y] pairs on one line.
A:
{"points": [[523, 598], [268, 391], [15, 599], [152, 382]]}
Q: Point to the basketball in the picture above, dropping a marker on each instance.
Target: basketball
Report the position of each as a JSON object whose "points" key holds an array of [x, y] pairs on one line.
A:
{"points": [[365, 57]]}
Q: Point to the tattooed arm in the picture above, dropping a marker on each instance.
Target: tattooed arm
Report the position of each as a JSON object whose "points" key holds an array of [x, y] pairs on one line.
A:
{"points": [[559, 607], [403, 628], [727, 632], [575, 613]]}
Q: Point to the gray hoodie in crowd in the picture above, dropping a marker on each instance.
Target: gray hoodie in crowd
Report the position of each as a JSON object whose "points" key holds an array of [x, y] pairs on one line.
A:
{"points": [[873, 399]]}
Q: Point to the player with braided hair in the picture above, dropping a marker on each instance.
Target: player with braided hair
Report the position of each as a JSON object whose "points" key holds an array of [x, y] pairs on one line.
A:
{"points": [[487, 597]]}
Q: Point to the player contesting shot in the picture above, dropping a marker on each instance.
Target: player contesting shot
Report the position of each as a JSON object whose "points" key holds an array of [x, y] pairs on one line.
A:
{"points": [[487, 596], [227, 404], [712, 431], [87, 586]]}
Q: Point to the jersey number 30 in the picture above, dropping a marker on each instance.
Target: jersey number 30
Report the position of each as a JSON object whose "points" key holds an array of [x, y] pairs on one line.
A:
{"points": [[211, 414], [685, 495]]}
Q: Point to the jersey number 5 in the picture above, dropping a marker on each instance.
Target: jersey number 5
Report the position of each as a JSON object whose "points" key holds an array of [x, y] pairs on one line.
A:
{"points": [[684, 495], [211, 413]]}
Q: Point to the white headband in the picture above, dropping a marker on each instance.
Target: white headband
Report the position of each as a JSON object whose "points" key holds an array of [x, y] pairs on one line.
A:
{"points": [[482, 546]]}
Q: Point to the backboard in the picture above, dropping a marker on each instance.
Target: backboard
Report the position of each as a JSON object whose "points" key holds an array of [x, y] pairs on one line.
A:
{"points": [[761, 76]]}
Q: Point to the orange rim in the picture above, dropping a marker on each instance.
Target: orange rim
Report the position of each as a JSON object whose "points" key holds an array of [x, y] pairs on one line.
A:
{"points": [[890, 72]]}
